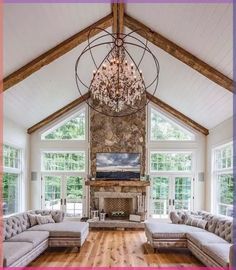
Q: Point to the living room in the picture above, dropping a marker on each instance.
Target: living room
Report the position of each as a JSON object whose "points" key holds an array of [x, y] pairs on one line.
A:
{"points": [[117, 134]]}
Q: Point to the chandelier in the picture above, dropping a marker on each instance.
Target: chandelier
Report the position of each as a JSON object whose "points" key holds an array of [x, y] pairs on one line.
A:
{"points": [[117, 86]]}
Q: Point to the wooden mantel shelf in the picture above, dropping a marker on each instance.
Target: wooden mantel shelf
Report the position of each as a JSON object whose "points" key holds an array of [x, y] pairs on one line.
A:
{"points": [[121, 183]]}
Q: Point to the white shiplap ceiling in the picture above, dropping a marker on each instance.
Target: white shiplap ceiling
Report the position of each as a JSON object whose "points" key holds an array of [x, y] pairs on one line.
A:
{"points": [[204, 30]]}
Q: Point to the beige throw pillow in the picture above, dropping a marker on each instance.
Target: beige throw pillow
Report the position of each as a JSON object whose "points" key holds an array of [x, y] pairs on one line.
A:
{"points": [[45, 219], [33, 219], [196, 222]]}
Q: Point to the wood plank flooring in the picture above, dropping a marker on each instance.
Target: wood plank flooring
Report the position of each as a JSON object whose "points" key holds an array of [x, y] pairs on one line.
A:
{"points": [[110, 248]]}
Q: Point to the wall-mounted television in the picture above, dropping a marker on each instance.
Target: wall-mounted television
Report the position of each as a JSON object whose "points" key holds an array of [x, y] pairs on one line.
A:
{"points": [[122, 166]]}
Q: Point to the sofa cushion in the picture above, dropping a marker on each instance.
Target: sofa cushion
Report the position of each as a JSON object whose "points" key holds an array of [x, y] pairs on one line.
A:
{"points": [[63, 229], [201, 238], [35, 237], [218, 252], [224, 228], [12, 251], [168, 230], [11, 227]]}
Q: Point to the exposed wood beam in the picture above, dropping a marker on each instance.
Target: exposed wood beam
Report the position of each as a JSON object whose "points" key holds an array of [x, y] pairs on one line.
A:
{"points": [[114, 8], [118, 17], [54, 53], [179, 53], [59, 113], [186, 120]]}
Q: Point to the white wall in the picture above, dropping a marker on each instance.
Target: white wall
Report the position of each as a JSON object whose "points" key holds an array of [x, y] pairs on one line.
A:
{"points": [[221, 134], [17, 136]]}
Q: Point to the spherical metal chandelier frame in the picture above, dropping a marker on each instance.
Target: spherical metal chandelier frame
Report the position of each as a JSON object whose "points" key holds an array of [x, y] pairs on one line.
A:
{"points": [[117, 42]]}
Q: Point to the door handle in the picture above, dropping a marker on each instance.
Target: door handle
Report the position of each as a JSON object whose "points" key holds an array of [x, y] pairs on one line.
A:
{"points": [[173, 202], [61, 202], [169, 201], [64, 201]]}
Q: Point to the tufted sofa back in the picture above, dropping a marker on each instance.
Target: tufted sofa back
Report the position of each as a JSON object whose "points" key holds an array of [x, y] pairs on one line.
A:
{"points": [[16, 224], [224, 229], [219, 225], [11, 227]]}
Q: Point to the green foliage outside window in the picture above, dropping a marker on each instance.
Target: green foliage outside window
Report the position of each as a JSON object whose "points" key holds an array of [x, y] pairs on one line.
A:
{"points": [[74, 188], [60, 161], [73, 129], [225, 194], [174, 162], [10, 193], [162, 129], [11, 157]]}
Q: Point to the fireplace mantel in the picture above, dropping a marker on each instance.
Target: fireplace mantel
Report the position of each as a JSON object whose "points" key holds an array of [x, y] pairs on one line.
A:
{"points": [[119, 183]]}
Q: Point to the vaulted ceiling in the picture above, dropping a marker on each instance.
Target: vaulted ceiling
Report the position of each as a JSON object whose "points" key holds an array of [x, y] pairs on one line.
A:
{"points": [[204, 30]]}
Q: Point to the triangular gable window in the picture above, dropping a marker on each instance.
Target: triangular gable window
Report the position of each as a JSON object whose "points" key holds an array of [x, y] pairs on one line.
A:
{"points": [[70, 129], [165, 129]]}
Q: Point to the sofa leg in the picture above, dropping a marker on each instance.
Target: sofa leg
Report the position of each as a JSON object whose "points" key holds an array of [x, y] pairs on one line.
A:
{"points": [[78, 249]]}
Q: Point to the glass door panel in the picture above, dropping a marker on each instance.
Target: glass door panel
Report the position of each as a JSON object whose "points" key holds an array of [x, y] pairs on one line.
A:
{"points": [[183, 193], [160, 197], [74, 196], [52, 192]]}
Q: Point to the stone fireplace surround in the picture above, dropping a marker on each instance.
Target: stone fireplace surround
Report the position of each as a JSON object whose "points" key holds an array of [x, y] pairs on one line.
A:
{"points": [[134, 192]]}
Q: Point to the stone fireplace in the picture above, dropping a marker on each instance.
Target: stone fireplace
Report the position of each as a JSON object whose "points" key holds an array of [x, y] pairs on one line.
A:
{"points": [[115, 203], [128, 197]]}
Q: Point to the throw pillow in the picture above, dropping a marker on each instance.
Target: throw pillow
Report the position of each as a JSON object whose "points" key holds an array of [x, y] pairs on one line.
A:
{"points": [[175, 218], [33, 219], [45, 219], [195, 222], [58, 217]]}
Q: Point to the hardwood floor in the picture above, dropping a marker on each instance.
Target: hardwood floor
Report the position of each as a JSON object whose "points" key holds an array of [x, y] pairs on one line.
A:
{"points": [[115, 248]]}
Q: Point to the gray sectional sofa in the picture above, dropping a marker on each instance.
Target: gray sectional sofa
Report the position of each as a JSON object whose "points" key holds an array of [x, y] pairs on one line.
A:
{"points": [[23, 242], [211, 240]]}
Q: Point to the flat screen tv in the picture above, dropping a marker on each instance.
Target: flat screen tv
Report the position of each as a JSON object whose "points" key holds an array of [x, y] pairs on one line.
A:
{"points": [[122, 166]]}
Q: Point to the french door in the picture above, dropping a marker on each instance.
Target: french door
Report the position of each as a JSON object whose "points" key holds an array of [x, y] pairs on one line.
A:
{"points": [[171, 192], [63, 192]]}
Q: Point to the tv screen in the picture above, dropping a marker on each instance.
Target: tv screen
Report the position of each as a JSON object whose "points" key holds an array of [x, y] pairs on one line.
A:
{"points": [[118, 166]]}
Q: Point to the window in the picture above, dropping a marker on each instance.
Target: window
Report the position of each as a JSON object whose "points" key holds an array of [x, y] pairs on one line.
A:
{"points": [[171, 162], [171, 182], [11, 157], [162, 128], [72, 129], [223, 179], [63, 161], [11, 179]]}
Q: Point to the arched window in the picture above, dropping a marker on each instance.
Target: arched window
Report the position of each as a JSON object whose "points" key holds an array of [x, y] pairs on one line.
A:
{"points": [[164, 129], [73, 128]]}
